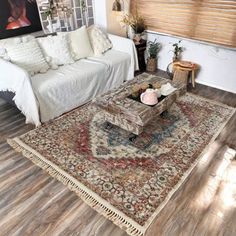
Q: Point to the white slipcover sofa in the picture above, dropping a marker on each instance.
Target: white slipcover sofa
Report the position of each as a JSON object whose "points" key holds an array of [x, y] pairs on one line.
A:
{"points": [[45, 96]]}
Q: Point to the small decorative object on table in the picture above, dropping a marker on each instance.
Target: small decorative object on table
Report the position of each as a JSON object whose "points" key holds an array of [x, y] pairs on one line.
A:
{"points": [[167, 89], [153, 49], [183, 68], [150, 97], [138, 89]]}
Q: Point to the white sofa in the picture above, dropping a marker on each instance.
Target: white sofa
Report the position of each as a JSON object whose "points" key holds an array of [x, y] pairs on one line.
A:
{"points": [[45, 96]]}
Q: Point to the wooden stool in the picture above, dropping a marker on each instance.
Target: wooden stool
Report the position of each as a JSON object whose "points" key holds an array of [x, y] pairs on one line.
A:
{"points": [[188, 67], [181, 76]]}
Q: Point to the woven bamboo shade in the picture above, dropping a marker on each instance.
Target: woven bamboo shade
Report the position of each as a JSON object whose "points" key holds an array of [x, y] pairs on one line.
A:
{"points": [[212, 21]]}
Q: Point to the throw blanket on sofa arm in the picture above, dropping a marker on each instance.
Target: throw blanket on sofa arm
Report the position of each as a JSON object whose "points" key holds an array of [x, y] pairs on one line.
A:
{"points": [[17, 80], [126, 45]]}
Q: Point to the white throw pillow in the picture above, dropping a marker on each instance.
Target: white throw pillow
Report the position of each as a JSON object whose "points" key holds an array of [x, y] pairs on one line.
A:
{"points": [[56, 50], [79, 43], [100, 41], [4, 43], [27, 54]]}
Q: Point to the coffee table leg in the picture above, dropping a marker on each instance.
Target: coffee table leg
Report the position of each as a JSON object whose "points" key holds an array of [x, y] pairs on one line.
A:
{"points": [[108, 125], [132, 137], [164, 113], [193, 79]]}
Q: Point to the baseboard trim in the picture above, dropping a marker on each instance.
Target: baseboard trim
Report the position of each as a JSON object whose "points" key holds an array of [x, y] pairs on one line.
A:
{"points": [[215, 86]]}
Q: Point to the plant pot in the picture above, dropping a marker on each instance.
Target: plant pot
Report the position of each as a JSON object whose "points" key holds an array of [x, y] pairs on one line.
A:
{"points": [[176, 58], [151, 64]]}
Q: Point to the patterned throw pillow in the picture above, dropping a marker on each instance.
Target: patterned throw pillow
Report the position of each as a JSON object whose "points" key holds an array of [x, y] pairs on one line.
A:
{"points": [[27, 54], [56, 50], [100, 41]]}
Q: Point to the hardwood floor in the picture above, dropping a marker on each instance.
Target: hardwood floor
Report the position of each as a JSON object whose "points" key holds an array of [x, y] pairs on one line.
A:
{"points": [[33, 203]]}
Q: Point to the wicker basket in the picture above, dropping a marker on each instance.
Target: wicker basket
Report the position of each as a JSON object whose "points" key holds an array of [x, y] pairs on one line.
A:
{"points": [[151, 64]]}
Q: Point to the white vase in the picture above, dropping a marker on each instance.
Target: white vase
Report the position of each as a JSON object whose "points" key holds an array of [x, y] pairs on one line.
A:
{"points": [[130, 32]]}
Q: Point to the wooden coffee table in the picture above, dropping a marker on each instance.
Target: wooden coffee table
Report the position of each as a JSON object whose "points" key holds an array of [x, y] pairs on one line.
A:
{"points": [[119, 109]]}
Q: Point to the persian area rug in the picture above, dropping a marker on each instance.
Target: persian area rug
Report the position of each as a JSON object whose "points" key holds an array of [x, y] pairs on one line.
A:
{"points": [[127, 182]]}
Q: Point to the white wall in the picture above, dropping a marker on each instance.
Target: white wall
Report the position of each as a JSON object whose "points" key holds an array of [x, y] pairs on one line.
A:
{"points": [[218, 64], [114, 19], [107, 19], [100, 13]]}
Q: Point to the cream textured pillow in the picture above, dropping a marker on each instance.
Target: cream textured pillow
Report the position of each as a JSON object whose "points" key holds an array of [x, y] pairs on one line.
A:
{"points": [[56, 50], [79, 43], [27, 55], [100, 41]]}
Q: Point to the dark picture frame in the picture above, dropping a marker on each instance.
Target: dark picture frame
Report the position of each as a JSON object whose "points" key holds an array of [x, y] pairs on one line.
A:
{"points": [[18, 17]]}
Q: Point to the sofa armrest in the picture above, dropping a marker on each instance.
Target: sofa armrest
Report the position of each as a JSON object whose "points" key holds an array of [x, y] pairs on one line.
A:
{"points": [[9, 69], [126, 45], [17, 80]]}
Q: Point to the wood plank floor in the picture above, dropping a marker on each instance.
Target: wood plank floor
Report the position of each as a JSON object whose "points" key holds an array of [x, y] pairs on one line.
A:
{"points": [[32, 203]]}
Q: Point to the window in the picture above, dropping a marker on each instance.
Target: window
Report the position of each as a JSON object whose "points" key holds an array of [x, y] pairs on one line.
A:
{"points": [[80, 12], [207, 20]]}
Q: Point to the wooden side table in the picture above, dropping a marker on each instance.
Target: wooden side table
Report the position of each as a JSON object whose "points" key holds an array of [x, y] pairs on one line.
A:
{"points": [[141, 48], [186, 66]]}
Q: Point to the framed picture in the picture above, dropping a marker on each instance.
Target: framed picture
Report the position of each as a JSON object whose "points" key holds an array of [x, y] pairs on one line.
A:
{"points": [[18, 17]]}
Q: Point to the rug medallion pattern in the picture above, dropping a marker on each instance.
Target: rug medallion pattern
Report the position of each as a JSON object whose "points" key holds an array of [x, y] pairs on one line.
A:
{"points": [[134, 177]]}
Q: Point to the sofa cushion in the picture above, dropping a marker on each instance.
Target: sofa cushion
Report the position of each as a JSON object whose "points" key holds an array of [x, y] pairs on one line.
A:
{"points": [[99, 40], [27, 54], [56, 50], [79, 43]]}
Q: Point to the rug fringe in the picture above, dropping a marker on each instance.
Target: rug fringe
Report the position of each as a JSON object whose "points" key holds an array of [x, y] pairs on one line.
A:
{"points": [[86, 197]]}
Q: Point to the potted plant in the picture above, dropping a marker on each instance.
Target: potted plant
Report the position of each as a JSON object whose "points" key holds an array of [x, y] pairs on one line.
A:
{"points": [[177, 51], [135, 25], [153, 49]]}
